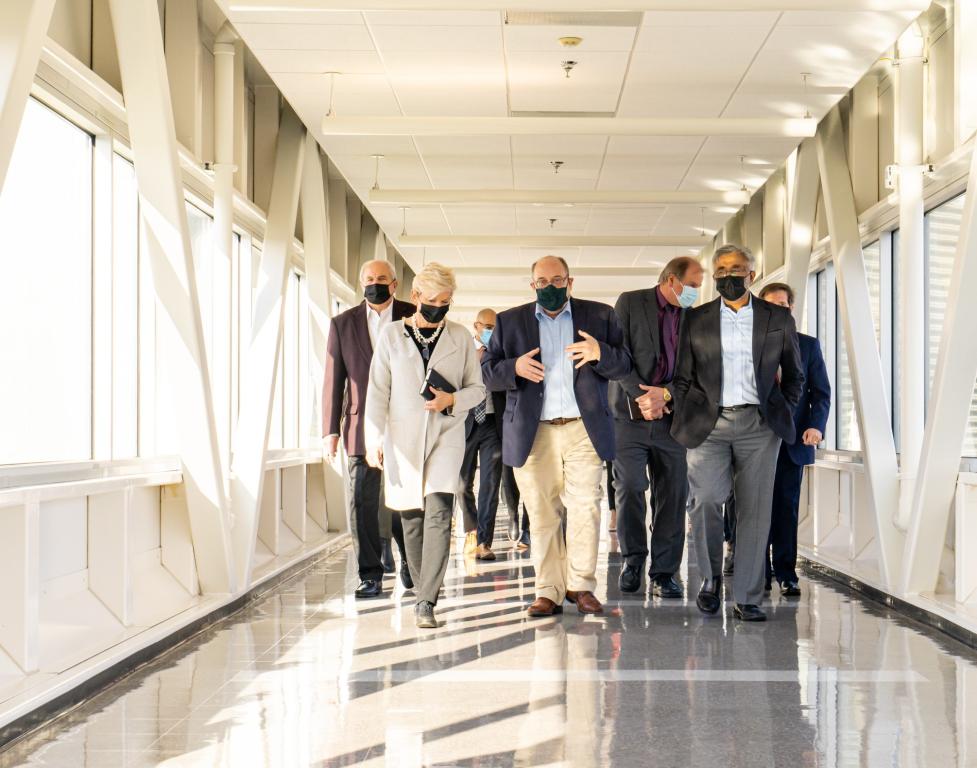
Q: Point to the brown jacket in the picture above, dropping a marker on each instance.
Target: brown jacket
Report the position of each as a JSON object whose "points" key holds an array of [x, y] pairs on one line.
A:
{"points": [[348, 357]]}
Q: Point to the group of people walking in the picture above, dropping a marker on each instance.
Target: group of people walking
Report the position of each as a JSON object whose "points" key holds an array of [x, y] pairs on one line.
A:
{"points": [[713, 407]]}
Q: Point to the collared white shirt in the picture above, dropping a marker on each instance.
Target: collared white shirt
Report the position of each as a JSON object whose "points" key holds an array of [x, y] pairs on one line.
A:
{"points": [[555, 335], [489, 405], [376, 320], [739, 374]]}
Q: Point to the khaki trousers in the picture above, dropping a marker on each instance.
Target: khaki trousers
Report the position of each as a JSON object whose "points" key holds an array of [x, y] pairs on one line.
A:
{"points": [[563, 471]]}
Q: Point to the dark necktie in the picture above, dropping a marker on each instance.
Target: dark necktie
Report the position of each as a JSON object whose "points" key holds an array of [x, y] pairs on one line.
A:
{"points": [[480, 413]]}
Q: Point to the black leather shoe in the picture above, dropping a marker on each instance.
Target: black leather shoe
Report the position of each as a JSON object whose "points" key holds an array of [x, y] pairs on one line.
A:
{"points": [[708, 600], [630, 579], [387, 556], [767, 586], [728, 563], [790, 589], [664, 585], [513, 530], [748, 612], [369, 588], [405, 578]]}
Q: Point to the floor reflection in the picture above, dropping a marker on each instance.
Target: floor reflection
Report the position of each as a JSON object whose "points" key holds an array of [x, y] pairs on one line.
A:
{"points": [[311, 677]]}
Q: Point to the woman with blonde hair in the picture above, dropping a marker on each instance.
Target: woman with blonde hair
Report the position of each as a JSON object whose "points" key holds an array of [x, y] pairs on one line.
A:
{"points": [[424, 379]]}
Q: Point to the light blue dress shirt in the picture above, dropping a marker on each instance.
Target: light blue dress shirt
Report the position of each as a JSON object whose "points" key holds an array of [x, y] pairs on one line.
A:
{"points": [[739, 374], [555, 335]]}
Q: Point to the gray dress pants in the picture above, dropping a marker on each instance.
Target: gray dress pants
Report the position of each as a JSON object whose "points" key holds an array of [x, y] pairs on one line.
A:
{"points": [[427, 538], [740, 455]]}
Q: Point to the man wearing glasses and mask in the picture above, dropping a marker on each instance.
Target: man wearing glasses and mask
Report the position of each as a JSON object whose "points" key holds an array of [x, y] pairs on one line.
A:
{"points": [[737, 380], [553, 357]]}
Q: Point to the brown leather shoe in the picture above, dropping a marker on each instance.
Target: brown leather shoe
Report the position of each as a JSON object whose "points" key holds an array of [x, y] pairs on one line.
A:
{"points": [[586, 602], [482, 552], [543, 606]]}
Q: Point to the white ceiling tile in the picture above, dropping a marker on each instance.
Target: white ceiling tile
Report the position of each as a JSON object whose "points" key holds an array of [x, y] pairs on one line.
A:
{"points": [[440, 40], [308, 93], [701, 19], [537, 82], [295, 16], [317, 37], [435, 18], [347, 62]]}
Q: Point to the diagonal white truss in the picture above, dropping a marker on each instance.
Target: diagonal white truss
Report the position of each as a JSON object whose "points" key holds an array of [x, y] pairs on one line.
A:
{"points": [[881, 466], [139, 41], [800, 223], [23, 30], [949, 407], [260, 365]]}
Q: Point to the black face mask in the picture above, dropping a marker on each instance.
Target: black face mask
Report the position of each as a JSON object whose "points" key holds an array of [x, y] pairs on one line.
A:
{"points": [[551, 298], [731, 287], [377, 293], [434, 314]]}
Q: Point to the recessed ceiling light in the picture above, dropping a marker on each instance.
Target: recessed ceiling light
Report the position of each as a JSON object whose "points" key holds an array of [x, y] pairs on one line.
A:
{"points": [[570, 41]]}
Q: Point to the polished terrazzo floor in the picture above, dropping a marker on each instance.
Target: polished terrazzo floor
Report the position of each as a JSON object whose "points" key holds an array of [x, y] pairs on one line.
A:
{"points": [[311, 677]]}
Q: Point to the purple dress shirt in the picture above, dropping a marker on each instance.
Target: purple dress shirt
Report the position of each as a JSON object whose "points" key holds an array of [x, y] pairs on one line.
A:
{"points": [[668, 321]]}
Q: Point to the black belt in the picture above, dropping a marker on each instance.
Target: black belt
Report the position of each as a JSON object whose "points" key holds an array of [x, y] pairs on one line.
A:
{"points": [[742, 407], [560, 422]]}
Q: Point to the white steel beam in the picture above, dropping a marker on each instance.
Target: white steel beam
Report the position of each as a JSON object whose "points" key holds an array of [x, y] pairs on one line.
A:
{"points": [[152, 132], [568, 126], [261, 363], [802, 204], [23, 29], [949, 408], [912, 293], [548, 241], [243, 7], [555, 197], [878, 446], [315, 229], [182, 23]]}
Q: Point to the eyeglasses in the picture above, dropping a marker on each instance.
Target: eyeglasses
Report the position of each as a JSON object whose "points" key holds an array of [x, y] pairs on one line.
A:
{"points": [[735, 272], [556, 282]]}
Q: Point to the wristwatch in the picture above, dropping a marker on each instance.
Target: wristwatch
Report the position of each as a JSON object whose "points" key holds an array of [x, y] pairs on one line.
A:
{"points": [[667, 397]]}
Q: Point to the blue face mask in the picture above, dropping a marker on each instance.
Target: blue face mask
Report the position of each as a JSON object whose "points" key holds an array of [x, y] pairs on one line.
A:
{"points": [[688, 297], [485, 335]]}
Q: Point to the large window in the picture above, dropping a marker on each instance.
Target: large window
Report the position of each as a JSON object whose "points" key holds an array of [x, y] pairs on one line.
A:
{"points": [[46, 293], [942, 233]]}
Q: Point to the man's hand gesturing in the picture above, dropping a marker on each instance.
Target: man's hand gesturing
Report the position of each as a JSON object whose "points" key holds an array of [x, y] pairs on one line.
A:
{"points": [[529, 368]]}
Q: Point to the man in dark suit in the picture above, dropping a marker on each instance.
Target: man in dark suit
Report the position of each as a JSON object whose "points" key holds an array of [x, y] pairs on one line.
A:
{"points": [[651, 319], [810, 421], [349, 352], [553, 359], [483, 449], [736, 383]]}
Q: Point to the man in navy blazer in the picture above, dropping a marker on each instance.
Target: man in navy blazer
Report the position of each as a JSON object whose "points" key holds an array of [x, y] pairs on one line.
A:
{"points": [[810, 420], [553, 359]]}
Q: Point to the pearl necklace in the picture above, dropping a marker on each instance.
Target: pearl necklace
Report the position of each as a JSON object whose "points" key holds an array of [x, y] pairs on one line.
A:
{"points": [[424, 341]]}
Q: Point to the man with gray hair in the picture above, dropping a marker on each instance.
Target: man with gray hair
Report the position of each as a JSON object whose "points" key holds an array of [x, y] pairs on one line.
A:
{"points": [[737, 379], [349, 352]]}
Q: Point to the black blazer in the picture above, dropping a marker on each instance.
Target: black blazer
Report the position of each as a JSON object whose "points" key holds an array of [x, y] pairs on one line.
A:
{"points": [[516, 333], [698, 382], [638, 312]]}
